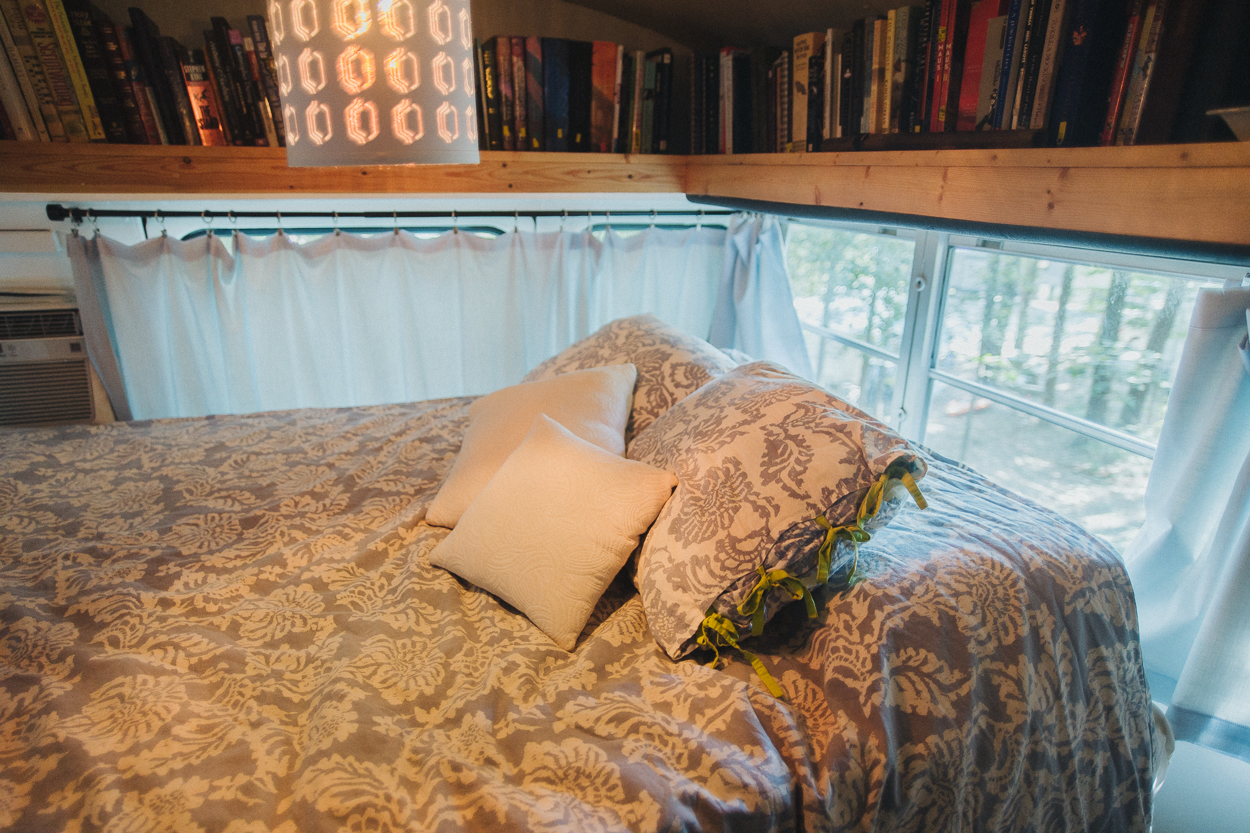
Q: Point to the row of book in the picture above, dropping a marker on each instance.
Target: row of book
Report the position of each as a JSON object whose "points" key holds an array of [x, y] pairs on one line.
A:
{"points": [[1072, 72], [69, 73], [566, 95]]}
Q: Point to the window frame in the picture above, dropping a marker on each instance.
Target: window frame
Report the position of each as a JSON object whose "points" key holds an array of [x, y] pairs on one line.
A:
{"points": [[917, 370]]}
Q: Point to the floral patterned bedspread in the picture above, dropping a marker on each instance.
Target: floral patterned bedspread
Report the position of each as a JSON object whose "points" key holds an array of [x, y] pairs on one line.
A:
{"points": [[230, 624]]}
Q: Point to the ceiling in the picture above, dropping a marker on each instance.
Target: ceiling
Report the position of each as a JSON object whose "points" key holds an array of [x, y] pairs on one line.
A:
{"points": [[711, 24]]}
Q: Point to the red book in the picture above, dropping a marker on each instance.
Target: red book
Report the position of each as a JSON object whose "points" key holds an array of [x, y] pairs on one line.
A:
{"points": [[1123, 71], [941, 66], [520, 104], [603, 95], [974, 59], [507, 97]]}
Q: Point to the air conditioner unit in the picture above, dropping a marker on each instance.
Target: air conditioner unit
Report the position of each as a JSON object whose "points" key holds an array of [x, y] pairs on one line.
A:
{"points": [[45, 377]]}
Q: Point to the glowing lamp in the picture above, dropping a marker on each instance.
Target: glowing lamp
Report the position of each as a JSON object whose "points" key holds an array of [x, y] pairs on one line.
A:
{"points": [[345, 65]]}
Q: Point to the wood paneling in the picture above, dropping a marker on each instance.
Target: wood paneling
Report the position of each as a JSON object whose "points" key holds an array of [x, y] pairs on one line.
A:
{"points": [[39, 168], [1180, 192]]}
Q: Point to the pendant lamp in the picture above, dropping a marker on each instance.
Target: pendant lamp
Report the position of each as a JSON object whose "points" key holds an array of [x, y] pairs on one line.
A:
{"points": [[388, 82]]}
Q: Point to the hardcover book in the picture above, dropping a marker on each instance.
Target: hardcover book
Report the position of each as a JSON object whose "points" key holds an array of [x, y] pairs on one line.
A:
{"points": [[555, 94], [662, 128], [39, 28], [803, 47], [144, 95], [96, 66], [983, 11], [534, 103], [145, 36], [602, 95], [268, 73], [502, 47], [520, 100], [1052, 54], [1085, 77], [70, 55], [203, 100], [581, 93], [25, 63], [136, 129]]}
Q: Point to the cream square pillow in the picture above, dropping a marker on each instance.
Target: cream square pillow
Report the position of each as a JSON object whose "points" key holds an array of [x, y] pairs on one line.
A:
{"points": [[594, 404], [554, 526]]}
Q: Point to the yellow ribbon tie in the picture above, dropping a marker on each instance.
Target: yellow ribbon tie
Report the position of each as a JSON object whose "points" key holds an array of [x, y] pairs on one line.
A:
{"points": [[753, 605], [824, 558], [717, 632]]}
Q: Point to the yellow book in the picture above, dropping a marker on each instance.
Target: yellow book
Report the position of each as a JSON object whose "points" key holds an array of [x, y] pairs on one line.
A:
{"points": [[805, 46], [77, 72]]}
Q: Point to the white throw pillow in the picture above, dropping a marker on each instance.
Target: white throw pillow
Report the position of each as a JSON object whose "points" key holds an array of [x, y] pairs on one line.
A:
{"points": [[594, 404], [554, 526]]}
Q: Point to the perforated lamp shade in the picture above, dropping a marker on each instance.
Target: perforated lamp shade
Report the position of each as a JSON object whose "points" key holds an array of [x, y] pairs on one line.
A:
{"points": [[389, 82]]}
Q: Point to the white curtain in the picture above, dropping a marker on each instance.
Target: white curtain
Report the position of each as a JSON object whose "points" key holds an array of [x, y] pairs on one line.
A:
{"points": [[1190, 564], [348, 320]]}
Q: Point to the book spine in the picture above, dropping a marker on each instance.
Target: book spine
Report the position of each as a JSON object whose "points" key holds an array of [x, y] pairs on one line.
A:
{"points": [[1144, 62], [783, 102], [581, 95], [974, 64], [144, 34], [64, 33], [555, 94], [223, 86], [603, 95], [920, 71], [902, 69], [112, 50], [804, 46], [1123, 71], [507, 97], [1095, 34], [828, 87], [640, 92], [91, 50], [21, 126], [1051, 56], [815, 101], [33, 86], [855, 80], [178, 87], [725, 128], [1028, 50], [43, 38], [1003, 104], [991, 71], [664, 101], [520, 118], [957, 44], [534, 104], [889, 101], [479, 96], [866, 113], [203, 100], [941, 67], [698, 105], [616, 99], [145, 99], [647, 129], [268, 73], [249, 92], [493, 104]]}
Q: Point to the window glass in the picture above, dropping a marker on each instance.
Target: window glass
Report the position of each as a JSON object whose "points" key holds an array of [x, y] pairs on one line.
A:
{"points": [[1095, 342], [851, 282], [1095, 484], [866, 381]]}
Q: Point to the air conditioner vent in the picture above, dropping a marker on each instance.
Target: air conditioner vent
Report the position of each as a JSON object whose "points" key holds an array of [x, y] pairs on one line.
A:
{"points": [[44, 393], [47, 323]]}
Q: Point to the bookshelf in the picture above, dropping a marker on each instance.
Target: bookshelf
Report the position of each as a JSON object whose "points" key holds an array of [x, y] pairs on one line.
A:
{"points": [[1178, 192]]}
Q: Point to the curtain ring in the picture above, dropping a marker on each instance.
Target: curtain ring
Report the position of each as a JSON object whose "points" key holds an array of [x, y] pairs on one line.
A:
{"points": [[653, 218], [233, 219], [698, 224], [455, 224], [516, 222], [607, 221], [279, 215], [395, 218], [563, 217], [95, 224], [161, 220], [337, 232], [207, 221]]}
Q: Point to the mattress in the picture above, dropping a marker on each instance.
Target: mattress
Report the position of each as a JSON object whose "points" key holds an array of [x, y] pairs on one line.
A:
{"points": [[231, 624]]}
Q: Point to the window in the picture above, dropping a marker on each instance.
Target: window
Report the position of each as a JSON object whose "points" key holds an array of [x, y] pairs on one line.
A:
{"points": [[1045, 368]]}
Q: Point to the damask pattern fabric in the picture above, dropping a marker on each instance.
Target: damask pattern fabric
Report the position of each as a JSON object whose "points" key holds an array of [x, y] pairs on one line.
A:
{"points": [[671, 365], [231, 624], [554, 526], [759, 455], [594, 404]]}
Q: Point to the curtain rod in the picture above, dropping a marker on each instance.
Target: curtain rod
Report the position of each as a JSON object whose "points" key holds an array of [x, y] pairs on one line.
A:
{"points": [[59, 213]]}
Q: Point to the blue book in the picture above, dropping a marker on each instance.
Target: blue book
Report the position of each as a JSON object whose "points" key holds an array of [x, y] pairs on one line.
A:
{"points": [[555, 94], [1011, 64], [1084, 82]]}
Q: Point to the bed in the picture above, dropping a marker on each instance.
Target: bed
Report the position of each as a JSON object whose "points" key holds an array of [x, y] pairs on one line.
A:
{"points": [[232, 624]]}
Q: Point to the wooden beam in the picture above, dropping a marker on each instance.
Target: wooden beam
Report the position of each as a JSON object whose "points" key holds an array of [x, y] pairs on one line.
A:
{"points": [[50, 168], [1175, 192]]}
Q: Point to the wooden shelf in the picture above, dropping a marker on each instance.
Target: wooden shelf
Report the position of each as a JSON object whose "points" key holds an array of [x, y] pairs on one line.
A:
{"points": [[1178, 192]]}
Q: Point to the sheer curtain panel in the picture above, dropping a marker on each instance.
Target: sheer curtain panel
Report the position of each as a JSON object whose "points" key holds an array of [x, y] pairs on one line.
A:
{"points": [[1190, 564], [199, 327]]}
